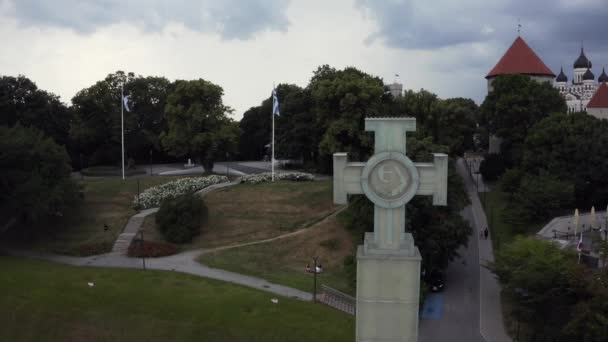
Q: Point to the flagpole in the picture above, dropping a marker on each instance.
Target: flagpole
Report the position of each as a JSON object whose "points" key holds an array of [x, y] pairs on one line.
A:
{"points": [[122, 128], [272, 113]]}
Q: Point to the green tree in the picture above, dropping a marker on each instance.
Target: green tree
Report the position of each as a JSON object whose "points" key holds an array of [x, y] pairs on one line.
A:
{"points": [[147, 101], [341, 99], [542, 281], [198, 123], [514, 105], [97, 128], [35, 181], [21, 102], [449, 122], [589, 319], [255, 129], [296, 135], [571, 147], [537, 199]]}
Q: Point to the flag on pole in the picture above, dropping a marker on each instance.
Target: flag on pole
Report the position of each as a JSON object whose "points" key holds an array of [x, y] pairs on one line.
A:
{"points": [[125, 102], [275, 102], [579, 247]]}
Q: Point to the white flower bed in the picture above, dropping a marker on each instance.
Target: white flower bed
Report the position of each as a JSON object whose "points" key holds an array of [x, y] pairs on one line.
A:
{"points": [[152, 197], [267, 177]]}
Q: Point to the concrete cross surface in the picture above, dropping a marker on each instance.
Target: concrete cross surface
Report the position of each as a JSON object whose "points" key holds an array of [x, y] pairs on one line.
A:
{"points": [[388, 263]]}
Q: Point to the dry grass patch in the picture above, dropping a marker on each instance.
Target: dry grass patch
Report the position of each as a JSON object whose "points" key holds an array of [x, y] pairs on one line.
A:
{"points": [[106, 201], [283, 260], [252, 212]]}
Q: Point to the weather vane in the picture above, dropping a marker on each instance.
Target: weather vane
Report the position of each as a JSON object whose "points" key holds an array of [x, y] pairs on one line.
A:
{"points": [[518, 27]]}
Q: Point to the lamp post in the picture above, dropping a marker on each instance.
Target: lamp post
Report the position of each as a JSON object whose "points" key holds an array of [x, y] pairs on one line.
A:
{"points": [[142, 249], [314, 287], [150, 162]]}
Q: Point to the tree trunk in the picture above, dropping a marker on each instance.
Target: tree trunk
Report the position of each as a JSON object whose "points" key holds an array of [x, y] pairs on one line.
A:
{"points": [[207, 164]]}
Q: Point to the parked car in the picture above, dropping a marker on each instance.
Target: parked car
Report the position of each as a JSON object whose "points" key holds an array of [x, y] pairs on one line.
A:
{"points": [[436, 280]]}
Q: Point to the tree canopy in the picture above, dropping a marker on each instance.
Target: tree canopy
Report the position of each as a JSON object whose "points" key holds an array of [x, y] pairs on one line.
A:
{"points": [[515, 104], [198, 123], [35, 181], [21, 102]]}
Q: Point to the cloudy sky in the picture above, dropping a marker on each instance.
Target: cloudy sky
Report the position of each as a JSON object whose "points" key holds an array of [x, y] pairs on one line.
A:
{"points": [[444, 46]]}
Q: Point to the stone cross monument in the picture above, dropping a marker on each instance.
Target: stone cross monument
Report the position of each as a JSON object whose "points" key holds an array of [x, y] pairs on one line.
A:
{"points": [[388, 263]]}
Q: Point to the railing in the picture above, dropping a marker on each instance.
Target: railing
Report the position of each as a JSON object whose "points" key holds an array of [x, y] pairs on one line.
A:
{"points": [[337, 300]]}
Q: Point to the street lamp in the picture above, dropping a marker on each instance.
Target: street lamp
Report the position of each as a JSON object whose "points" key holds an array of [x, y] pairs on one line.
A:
{"points": [[314, 270], [150, 162], [522, 293]]}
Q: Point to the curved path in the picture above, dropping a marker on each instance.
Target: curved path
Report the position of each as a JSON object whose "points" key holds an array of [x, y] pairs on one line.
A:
{"points": [[183, 262]]}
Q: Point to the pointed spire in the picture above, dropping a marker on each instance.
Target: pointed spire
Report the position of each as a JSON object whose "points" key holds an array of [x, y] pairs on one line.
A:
{"points": [[603, 77], [561, 77], [582, 61]]}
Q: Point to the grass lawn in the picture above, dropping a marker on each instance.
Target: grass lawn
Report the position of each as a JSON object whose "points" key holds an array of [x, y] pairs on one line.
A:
{"points": [[43, 301], [106, 201], [283, 261], [502, 232], [251, 212]]}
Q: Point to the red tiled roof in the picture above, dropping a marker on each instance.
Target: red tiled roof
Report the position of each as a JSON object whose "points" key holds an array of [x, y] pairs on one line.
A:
{"points": [[600, 98], [520, 59]]}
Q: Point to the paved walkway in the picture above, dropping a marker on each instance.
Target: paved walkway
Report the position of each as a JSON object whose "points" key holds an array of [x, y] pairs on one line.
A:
{"points": [[491, 324], [122, 243], [183, 262]]}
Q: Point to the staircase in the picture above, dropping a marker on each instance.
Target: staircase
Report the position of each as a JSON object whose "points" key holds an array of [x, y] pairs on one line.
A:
{"points": [[337, 300]]}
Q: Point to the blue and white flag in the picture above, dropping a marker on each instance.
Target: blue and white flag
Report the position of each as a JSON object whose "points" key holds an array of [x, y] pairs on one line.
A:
{"points": [[275, 102], [125, 101]]}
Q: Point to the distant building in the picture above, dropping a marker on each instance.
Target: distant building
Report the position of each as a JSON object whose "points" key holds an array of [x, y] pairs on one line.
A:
{"points": [[583, 87], [583, 95], [598, 105], [396, 89], [519, 59]]}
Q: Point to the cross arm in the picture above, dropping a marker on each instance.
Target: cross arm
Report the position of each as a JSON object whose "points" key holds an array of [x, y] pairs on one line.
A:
{"points": [[347, 178], [434, 178]]}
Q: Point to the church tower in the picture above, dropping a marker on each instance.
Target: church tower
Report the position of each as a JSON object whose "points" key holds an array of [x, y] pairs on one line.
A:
{"points": [[581, 65]]}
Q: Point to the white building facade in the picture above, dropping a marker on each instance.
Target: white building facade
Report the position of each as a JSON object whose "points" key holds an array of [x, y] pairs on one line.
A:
{"points": [[578, 93]]}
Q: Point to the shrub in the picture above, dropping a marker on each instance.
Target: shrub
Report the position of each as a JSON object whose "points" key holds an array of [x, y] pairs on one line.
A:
{"points": [[179, 218]]}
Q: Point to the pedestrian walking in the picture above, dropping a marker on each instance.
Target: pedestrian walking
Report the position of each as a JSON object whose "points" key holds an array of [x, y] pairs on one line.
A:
{"points": [[485, 233]]}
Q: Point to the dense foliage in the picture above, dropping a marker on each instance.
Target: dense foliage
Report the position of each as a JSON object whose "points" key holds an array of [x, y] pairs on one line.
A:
{"points": [[179, 218], [552, 296], [327, 116], [35, 181], [198, 125], [515, 104]]}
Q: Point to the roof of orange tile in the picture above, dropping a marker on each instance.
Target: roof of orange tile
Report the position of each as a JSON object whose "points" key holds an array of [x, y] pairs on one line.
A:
{"points": [[600, 98], [520, 59]]}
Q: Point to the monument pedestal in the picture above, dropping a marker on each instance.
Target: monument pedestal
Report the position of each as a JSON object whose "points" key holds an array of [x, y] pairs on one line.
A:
{"points": [[388, 291]]}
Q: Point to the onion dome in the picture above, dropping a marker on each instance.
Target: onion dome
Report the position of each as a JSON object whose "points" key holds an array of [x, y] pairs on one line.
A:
{"points": [[588, 76], [603, 77], [561, 77], [582, 61]]}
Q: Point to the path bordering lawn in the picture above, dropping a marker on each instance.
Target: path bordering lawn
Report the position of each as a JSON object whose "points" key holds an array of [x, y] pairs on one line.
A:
{"points": [[287, 235], [122, 243]]}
